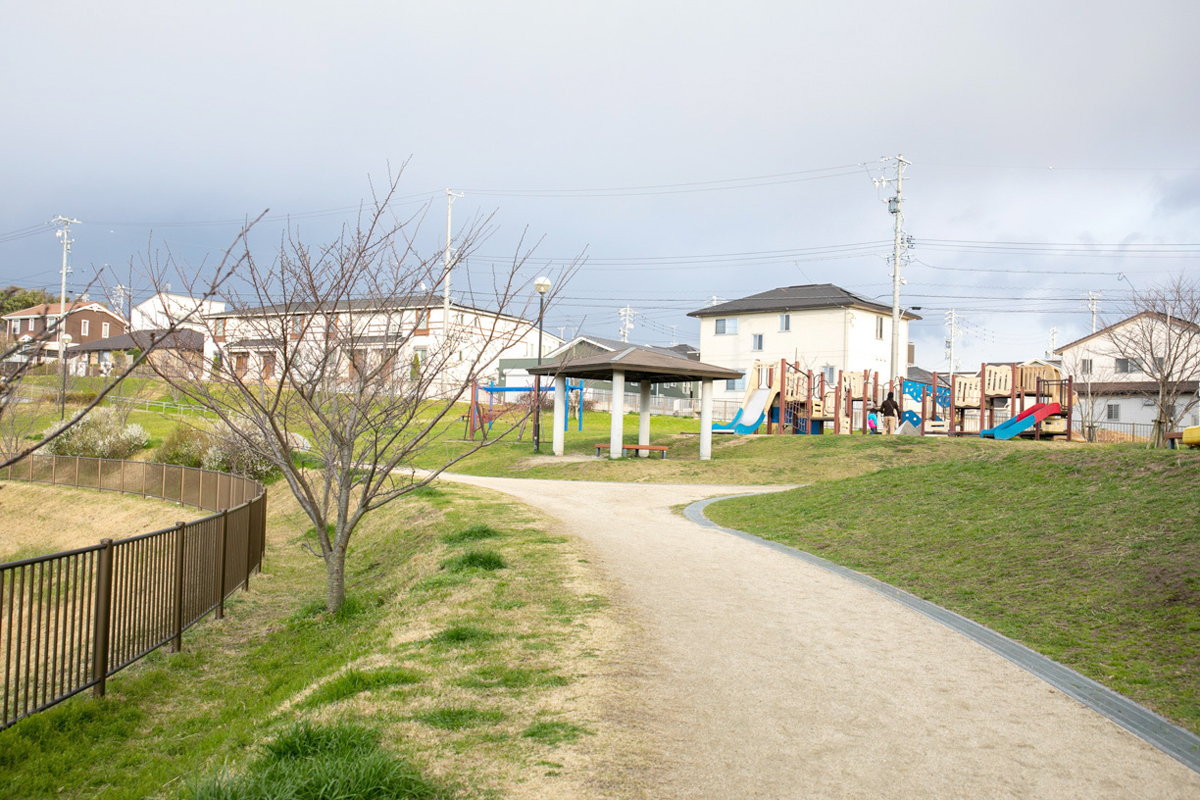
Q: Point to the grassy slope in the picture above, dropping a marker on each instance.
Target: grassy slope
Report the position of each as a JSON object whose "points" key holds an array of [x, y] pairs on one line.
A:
{"points": [[494, 703], [37, 519], [1089, 555]]}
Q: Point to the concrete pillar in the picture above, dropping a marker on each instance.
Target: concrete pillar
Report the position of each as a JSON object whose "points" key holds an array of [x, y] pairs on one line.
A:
{"points": [[560, 412], [644, 417], [706, 401], [616, 436]]}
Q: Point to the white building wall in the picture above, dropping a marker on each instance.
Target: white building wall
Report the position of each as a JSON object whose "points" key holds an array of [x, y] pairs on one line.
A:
{"points": [[822, 339]]}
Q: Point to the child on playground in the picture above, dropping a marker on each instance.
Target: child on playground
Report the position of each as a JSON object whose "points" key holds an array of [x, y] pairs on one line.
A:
{"points": [[872, 423]]}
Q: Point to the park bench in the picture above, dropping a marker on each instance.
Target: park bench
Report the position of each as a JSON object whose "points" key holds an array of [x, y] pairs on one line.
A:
{"points": [[1174, 439], [654, 448]]}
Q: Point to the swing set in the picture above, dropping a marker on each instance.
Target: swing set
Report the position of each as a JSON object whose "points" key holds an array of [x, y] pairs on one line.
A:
{"points": [[480, 419]]}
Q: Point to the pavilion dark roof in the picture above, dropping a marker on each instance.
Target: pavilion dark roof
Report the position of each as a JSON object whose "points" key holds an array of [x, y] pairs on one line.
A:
{"points": [[639, 364]]}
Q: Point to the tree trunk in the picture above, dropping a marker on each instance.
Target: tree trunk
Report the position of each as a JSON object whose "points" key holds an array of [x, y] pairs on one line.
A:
{"points": [[335, 580]]}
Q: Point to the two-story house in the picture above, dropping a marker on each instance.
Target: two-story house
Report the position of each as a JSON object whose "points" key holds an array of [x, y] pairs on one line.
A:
{"points": [[85, 321], [357, 336], [1120, 370], [162, 310], [820, 326]]}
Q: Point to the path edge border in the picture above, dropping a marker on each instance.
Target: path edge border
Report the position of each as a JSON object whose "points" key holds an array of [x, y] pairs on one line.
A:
{"points": [[1180, 744]]}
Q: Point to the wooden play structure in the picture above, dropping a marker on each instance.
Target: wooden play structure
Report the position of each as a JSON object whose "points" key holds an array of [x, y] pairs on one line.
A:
{"points": [[1034, 392], [1031, 399]]}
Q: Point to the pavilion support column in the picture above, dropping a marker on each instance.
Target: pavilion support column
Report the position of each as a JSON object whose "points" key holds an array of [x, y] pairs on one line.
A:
{"points": [[706, 414], [616, 436], [644, 418], [560, 412]]}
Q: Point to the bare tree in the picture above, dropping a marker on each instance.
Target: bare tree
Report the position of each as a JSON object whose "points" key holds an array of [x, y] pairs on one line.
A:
{"points": [[1092, 406], [1161, 339], [19, 356], [333, 349]]}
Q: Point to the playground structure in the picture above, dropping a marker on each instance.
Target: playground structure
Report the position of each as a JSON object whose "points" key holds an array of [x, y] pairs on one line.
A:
{"points": [[1031, 399], [480, 419]]}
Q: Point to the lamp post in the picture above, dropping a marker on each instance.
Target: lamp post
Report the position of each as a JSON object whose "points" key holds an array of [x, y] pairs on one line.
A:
{"points": [[542, 285]]}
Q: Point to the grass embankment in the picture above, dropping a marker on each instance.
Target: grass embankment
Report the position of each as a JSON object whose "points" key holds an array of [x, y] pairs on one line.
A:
{"points": [[1090, 555], [738, 460], [458, 667], [37, 520]]}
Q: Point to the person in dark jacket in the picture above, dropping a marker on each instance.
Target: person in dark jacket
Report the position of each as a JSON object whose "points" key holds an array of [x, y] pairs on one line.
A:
{"points": [[891, 412]]}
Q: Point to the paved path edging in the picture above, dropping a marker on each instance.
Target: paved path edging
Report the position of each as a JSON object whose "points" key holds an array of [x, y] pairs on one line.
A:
{"points": [[1180, 744]]}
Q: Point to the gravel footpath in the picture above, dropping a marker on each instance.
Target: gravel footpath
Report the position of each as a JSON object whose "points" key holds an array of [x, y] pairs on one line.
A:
{"points": [[758, 675]]}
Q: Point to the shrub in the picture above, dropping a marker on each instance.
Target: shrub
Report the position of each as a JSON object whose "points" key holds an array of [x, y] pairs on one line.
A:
{"points": [[100, 434], [185, 446]]}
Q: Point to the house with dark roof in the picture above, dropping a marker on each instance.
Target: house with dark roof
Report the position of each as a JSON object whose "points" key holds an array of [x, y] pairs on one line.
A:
{"points": [[823, 327], [82, 321], [179, 352], [1119, 368]]}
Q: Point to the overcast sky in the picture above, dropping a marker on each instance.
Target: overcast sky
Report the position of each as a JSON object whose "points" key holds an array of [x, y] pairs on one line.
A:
{"points": [[141, 117]]}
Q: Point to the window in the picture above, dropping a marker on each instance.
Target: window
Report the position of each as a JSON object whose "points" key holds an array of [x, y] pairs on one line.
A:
{"points": [[735, 385], [423, 320], [268, 366], [785, 323], [297, 325], [1113, 412], [756, 342], [219, 327], [1085, 367], [829, 373], [83, 327], [1124, 366], [414, 370], [726, 325], [879, 327], [103, 330]]}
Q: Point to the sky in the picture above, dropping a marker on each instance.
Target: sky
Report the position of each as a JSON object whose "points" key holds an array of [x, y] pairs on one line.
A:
{"points": [[691, 150]]}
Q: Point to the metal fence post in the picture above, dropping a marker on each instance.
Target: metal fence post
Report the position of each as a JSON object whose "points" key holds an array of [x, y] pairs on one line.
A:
{"points": [[221, 564], [177, 640], [249, 546], [100, 623]]}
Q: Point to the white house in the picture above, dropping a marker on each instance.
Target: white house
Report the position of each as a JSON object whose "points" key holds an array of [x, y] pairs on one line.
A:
{"points": [[163, 310], [1118, 370], [821, 326], [401, 335]]}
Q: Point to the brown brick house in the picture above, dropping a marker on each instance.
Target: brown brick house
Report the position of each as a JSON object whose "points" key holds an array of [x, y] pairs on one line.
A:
{"points": [[87, 321]]}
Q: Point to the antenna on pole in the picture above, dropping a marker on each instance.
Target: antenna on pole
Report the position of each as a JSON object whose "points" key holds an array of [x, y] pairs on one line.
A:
{"points": [[1094, 306], [901, 244], [64, 235], [626, 314], [955, 333]]}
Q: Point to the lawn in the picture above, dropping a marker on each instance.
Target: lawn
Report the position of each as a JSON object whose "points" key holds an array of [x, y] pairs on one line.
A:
{"points": [[1090, 555], [465, 652]]}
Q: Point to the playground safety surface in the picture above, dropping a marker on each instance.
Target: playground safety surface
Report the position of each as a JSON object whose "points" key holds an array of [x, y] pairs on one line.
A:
{"points": [[752, 673]]}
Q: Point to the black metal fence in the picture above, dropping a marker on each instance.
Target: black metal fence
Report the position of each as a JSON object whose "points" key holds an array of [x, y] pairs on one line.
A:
{"points": [[70, 620]]}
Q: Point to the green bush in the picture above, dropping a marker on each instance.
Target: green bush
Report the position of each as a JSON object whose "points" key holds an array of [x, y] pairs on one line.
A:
{"points": [[100, 434], [185, 446]]}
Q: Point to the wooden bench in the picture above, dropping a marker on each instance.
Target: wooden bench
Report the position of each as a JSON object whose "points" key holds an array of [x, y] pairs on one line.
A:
{"points": [[1174, 439], [655, 448]]}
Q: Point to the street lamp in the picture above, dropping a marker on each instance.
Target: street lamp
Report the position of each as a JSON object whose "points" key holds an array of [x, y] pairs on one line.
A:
{"points": [[542, 285]]}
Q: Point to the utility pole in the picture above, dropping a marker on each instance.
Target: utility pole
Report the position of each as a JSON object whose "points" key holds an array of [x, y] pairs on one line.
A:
{"points": [[1094, 306], [1053, 343], [626, 314], [63, 233], [448, 267], [674, 338], [896, 207], [952, 320]]}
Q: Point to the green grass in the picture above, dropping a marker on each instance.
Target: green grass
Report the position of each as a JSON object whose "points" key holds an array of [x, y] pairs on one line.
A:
{"points": [[474, 533], [310, 762], [554, 733], [401, 648], [456, 719], [485, 560], [355, 681], [1090, 555]]}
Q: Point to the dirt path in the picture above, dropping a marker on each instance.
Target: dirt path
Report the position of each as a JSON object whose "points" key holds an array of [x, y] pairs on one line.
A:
{"points": [[757, 675]]}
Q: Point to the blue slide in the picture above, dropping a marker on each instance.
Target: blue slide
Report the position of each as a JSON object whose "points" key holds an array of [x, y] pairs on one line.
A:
{"points": [[728, 427]]}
